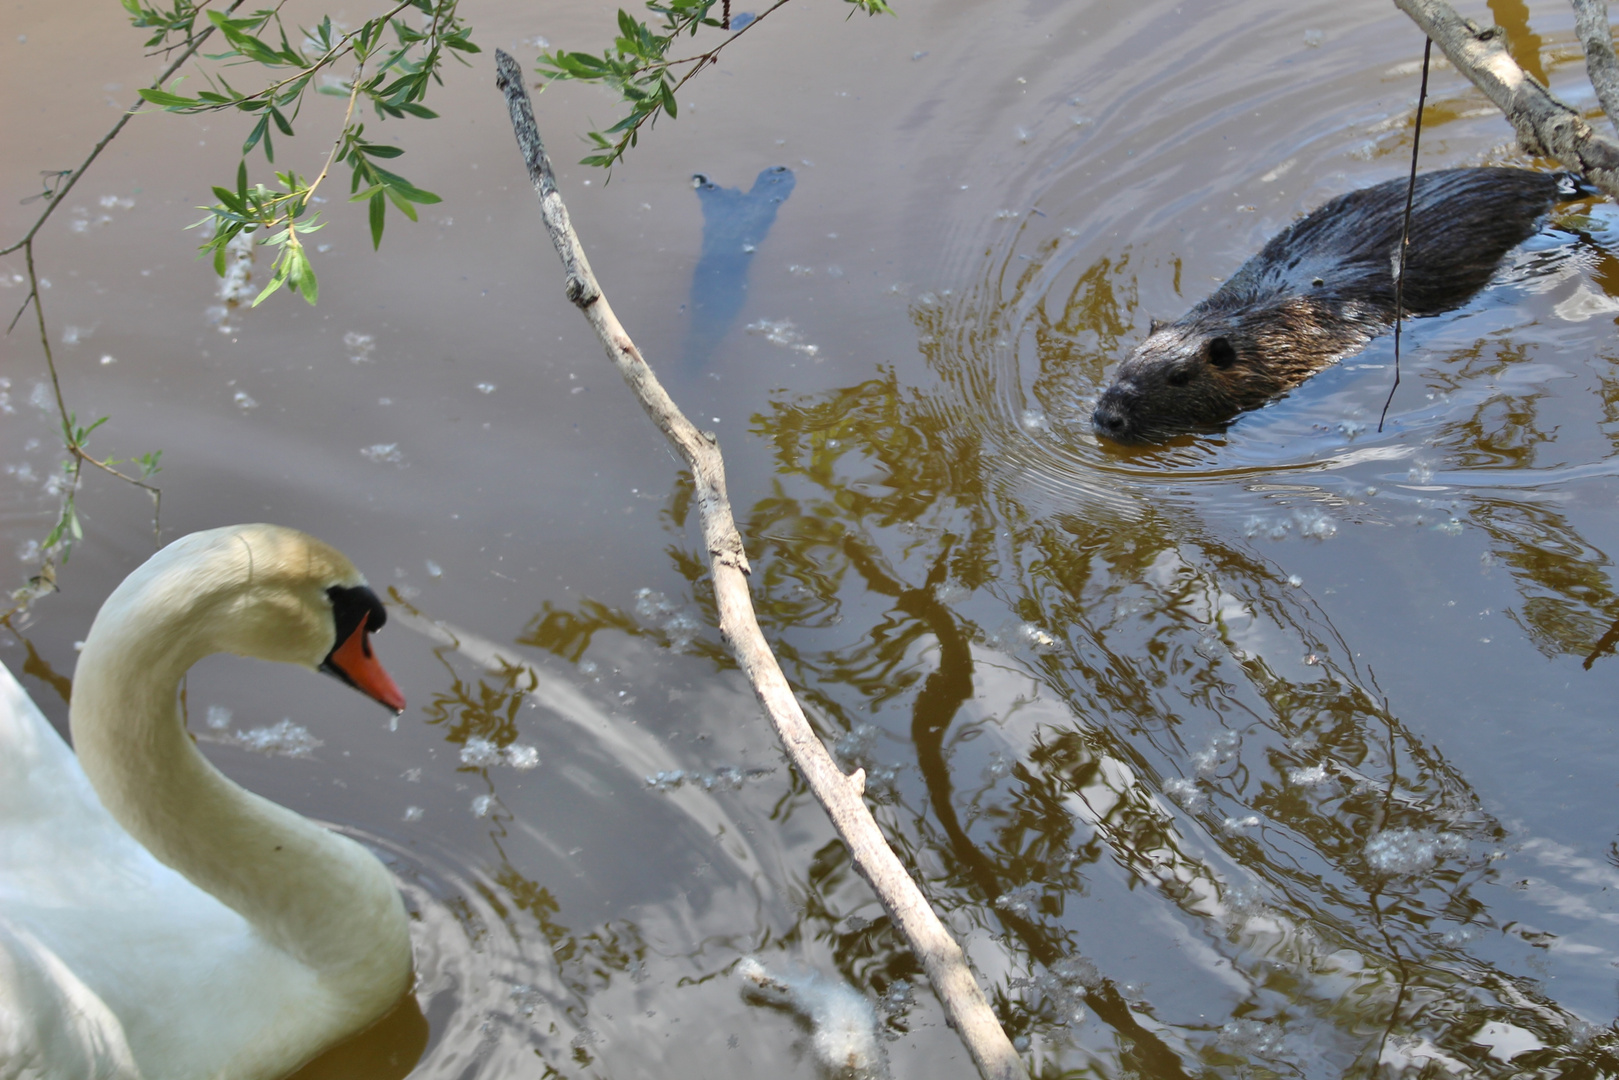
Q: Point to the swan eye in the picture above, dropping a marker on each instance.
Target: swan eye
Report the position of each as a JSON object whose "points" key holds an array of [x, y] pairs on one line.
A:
{"points": [[352, 605]]}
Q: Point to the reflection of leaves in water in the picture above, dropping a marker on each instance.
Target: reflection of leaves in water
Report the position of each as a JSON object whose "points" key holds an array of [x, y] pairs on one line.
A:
{"points": [[568, 634], [1502, 431], [1076, 344], [1569, 600], [895, 533], [868, 951], [486, 711], [586, 962]]}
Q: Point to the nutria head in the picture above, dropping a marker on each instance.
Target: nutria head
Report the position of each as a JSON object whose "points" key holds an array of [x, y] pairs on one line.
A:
{"points": [[1197, 374], [1176, 381]]}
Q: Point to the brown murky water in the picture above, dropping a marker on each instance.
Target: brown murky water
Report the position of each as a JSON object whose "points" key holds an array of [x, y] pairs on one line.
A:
{"points": [[1283, 752]]}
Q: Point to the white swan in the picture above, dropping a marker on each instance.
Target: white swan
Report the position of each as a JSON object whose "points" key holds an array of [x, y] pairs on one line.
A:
{"points": [[166, 924]]}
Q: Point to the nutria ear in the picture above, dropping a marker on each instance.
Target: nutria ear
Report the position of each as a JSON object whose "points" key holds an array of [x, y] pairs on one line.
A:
{"points": [[1221, 354]]}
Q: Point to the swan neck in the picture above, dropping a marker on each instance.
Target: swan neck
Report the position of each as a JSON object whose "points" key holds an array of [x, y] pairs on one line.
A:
{"points": [[318, 896]]}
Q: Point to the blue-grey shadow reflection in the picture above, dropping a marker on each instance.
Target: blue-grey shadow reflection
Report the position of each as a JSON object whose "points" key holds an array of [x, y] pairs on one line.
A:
{"points": [[734, 225]]}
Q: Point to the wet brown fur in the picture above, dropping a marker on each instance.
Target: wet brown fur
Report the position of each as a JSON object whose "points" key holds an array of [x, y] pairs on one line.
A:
{"points": [[1319, 291]]}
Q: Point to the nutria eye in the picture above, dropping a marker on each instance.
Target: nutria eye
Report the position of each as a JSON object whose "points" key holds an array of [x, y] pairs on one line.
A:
{"points": [[1221, 354], [1179, 377]]}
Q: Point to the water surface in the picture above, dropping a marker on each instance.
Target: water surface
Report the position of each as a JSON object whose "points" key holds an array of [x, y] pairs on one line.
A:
{"points": [[1285, 751]]}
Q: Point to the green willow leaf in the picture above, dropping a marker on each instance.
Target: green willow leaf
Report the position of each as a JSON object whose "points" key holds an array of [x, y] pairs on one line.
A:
{"points": [[398, 185], [255, 135], [230, 200], [166, 99], [403, 203], [301, 278]]}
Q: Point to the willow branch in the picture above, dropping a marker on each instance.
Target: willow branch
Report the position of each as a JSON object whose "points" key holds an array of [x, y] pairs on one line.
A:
{"points": [[1544, 125], [713, 54], [344, 45], [70, 438], [337, 144], [842, 797], [1596, 37]]}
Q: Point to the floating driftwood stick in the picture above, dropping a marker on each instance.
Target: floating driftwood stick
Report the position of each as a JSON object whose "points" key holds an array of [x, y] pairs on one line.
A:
{"points": [[1545, 126], [839, 795]]}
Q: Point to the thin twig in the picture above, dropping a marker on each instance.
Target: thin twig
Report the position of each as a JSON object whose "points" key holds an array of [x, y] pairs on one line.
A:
{"points": [[842, 797], [26, 245], [23, 307], [1405, 229], [703, 58], [699, 62], [69, 438], [354, 94]]}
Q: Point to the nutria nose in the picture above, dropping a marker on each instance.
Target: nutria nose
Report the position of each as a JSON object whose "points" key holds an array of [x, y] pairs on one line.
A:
{"points": [[1108, 419]]}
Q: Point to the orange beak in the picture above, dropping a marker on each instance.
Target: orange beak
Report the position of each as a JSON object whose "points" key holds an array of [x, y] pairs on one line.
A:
{"points": [[354, 663]]}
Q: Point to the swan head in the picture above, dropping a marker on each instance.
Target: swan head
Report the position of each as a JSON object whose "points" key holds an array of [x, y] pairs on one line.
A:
{"points": [[264, 591]]}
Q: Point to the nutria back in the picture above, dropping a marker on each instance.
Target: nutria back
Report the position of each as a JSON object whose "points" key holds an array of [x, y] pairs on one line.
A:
{"points": [[1319, 291]]}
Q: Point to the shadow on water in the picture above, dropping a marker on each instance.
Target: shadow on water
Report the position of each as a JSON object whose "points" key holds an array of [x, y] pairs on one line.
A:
{"points": [[735, 223]]}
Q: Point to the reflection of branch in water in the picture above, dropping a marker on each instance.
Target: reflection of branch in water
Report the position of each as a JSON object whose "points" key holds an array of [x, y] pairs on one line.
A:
{"points": [[1569, 604], [1225, 602], [1604, 646], [944, 691], [1323, 726], [1084, 566], [1389, 942], [1174, 634], [1568, 600]]}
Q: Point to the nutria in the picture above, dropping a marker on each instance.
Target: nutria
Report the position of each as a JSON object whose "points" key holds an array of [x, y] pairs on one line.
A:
{"points": [[1319, 291]]}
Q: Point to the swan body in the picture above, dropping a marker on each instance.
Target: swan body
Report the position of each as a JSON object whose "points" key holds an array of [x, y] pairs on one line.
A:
{"points": [[157, 921]]}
